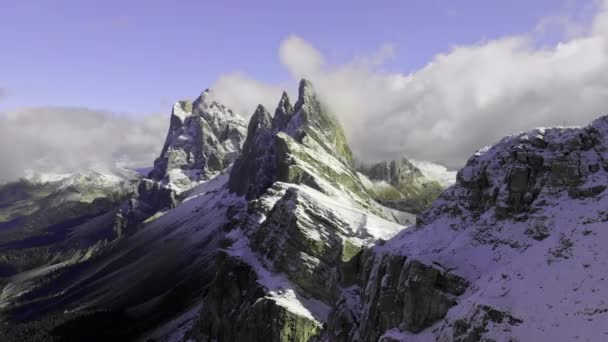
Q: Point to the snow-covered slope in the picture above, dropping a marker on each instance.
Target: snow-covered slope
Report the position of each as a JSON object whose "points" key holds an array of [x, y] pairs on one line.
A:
{"points": [[435, 172], [523, 230]]}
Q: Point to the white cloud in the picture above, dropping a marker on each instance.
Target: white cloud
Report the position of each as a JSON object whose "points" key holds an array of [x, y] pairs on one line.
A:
{"points": [[55, 139], [464, 99], [244, 94], [300, 57]]}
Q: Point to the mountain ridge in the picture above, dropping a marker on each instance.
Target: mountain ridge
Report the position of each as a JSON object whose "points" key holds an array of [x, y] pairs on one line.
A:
{"points": [[285, 240]]}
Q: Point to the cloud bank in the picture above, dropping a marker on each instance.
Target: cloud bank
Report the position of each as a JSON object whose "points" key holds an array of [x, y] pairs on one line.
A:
{"points": [[462, 100], [76, 139]]}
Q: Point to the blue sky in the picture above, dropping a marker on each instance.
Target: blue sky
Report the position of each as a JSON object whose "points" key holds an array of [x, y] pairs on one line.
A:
{"points": [[137, 57], [87, 84]]}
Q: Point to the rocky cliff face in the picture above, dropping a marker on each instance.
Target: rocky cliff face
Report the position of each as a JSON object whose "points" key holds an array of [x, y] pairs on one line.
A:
{"points": [[204, 138]]}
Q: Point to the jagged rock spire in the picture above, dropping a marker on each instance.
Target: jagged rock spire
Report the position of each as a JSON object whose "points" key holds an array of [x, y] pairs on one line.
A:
{"points": [[265, 157], [260, 119], [283, 113], [306, 94], [314, 119], [255, 170]]}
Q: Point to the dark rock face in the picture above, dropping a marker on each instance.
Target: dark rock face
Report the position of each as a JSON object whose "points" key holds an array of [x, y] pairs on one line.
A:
{"points": [[393, 291], [255, 171], [237, 310], [203, 138], [150, 197], [283, 113]]}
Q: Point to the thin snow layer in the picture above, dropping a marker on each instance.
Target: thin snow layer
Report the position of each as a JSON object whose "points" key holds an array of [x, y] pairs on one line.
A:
{"points": [[362, 223], [436, 172], [556, 286], [364, 228], [92, 178], [280, 289]]}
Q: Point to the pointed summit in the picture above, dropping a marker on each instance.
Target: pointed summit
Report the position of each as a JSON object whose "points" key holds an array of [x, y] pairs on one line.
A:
{"points": [[254, 171], [204, 100], [260, 119], [283, 113], [311, 118], [203, 138], [306, 95]]}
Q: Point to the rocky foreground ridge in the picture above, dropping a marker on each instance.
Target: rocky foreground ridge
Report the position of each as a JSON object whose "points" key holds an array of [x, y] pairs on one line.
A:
{"points": [[292, 243]]}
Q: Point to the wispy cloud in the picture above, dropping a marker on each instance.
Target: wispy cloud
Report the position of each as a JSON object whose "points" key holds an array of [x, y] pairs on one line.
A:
{"points": [[56, 139], [463, 99]]}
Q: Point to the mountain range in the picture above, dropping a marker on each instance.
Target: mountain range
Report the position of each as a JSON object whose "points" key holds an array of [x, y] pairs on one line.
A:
{"points": [[271, 231]]}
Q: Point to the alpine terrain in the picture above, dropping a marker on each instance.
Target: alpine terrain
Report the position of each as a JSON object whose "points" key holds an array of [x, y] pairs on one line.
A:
{"points": [[269, 231]]}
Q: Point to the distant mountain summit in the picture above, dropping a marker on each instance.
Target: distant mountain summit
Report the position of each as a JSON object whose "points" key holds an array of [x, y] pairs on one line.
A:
{"points": [[406, 185]]}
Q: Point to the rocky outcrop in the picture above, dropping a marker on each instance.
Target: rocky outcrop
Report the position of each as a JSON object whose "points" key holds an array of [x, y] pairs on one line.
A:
{"points": [[204, 137], [238, 309], [312, 118], [283, 113], [511, 176], [478, 322], [149, 198], [392, 291]]}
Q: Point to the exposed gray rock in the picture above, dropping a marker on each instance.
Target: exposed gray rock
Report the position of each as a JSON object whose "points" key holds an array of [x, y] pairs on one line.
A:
{"points": [[237, 310], [481, 320], [204, 137], [393, 291]]}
